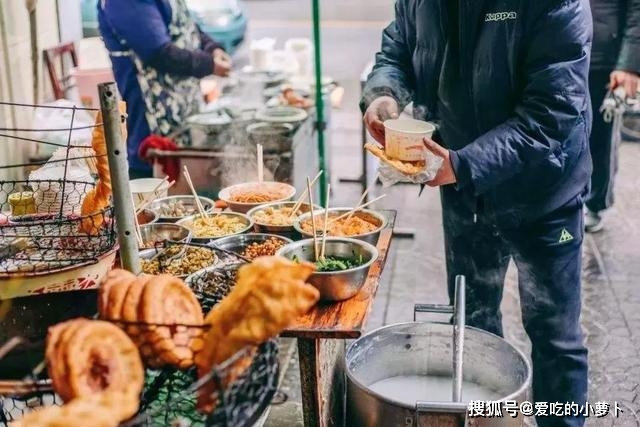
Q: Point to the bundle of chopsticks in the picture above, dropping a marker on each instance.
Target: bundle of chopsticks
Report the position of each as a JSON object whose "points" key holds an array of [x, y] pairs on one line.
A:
{"points": [[319, 247], [145, 203]]}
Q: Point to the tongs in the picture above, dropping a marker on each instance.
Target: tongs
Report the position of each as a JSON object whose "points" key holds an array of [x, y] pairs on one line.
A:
{"points": [[616, 103]]}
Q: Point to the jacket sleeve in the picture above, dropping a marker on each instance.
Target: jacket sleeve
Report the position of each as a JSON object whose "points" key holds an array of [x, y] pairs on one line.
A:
{"points": [[392, 73], [143, 28], [554, 99], [629, 57], [207, 43]]}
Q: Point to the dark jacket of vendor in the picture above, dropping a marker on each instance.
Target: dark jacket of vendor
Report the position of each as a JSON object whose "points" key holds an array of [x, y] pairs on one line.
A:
{"points": [[158, 54], [509, 92], [616, 35]]}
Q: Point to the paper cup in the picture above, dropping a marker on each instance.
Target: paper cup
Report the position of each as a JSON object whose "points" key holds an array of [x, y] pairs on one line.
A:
{"points": [[403, 138]]}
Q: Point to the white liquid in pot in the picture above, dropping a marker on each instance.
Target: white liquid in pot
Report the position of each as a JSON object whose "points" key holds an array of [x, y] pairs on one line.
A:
{"points": [[408, 389]]}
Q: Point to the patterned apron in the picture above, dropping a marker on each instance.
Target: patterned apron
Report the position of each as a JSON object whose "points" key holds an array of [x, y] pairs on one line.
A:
{"points": [[169, 99]]}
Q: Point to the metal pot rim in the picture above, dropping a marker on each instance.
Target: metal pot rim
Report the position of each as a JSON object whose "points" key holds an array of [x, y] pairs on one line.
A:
{"points": [[375, 254], [383, 221], [519, 392]]}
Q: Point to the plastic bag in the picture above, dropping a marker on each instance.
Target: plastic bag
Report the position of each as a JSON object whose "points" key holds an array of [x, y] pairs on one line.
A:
{"points": [[390, 175], [50, 119]]}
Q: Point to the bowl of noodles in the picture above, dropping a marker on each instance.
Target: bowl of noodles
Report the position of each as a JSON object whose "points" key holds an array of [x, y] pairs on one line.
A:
{"points": [[246, 196], [363, 225], [278, 218], [216, 225]]}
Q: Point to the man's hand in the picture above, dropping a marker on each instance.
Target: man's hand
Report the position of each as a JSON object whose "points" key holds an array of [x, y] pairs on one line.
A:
{"points": [[629, 81], [221, 63], [445, 175], [381, 109]]}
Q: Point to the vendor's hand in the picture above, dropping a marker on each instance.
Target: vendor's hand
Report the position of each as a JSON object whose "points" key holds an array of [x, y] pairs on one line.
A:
{"points": [[381, 109], [221, 63], [445, 174], [629, 81]]}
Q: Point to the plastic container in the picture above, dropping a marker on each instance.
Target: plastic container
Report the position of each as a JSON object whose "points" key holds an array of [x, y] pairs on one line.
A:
{"points": [[87, 81], [403, 139]]}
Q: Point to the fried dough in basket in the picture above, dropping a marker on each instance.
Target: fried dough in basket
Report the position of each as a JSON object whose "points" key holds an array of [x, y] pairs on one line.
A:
{"points": [[269, 295], [86, 357], [113, 278], [168, 300], [103, 410]]}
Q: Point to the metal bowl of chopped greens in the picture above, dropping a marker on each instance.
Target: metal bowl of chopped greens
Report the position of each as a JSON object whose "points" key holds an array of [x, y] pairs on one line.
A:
{"points": [[343, 270]]}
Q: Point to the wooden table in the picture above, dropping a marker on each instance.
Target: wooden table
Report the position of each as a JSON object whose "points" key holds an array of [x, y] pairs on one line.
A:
{"points": [[321, 336]]}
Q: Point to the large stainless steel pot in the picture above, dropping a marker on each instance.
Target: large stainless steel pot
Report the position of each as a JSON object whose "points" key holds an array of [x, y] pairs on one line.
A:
{"points": [[420, 348]]}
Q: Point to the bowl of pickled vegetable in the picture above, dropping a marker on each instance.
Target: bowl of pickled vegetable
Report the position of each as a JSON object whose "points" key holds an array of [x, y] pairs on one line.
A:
{"points": [[343, 270]]}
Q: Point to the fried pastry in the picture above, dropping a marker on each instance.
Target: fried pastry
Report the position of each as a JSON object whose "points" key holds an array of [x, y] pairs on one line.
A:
{"points": [[57, 337], [87, 357], [407, 168], [113, 277], [166, 300], [104, 410], [269, 295]]}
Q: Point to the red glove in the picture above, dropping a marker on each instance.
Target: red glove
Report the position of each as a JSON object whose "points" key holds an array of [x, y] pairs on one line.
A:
{"points": [[170, 165]]}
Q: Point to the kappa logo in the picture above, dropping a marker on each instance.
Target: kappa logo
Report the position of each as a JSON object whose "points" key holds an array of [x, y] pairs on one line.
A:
{"points": [[500, 16], [565, 236]]}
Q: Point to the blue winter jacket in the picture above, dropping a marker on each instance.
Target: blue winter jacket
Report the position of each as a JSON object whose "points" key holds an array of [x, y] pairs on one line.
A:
{"points": [[507, 82]]}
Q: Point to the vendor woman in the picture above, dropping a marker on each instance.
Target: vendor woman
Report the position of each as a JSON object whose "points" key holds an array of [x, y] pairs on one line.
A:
{"points": [[158, 54]]}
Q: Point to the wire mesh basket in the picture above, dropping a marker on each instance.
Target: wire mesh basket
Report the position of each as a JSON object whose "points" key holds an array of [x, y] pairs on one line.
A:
{"points": [[41, 224], [45, 238], [170, 395]]}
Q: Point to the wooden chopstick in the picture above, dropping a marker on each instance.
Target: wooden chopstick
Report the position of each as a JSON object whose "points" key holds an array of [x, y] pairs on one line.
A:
{"points": [[260, 163], [313, 221], [187, 176], [296, 207], [325, 223], [137, 224], [148, 200], [357, 208], [373, 184]]}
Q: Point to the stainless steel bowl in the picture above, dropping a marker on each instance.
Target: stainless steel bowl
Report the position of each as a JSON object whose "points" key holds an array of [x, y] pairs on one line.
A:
{"points": [[288, 191], [371, 216], [238, 243], [159, 232], [147, 216], [284, 230], [187, 201], [187, 222], [335, 285]]}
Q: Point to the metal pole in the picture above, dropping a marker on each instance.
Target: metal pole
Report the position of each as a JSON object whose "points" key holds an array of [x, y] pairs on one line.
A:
{"points": [[119, 171], [458, 337], [321, 125]]}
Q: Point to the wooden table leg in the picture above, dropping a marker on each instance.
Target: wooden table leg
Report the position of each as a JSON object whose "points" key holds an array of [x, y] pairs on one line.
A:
{"points": [[322, 381]]}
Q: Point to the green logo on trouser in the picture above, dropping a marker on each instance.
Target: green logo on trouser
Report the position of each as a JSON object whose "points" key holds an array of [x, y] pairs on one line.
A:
{"points": [[565, 236]]}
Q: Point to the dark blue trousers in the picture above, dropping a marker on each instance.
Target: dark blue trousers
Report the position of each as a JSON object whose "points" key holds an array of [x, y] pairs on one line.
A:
{"points": [[548, 255]]}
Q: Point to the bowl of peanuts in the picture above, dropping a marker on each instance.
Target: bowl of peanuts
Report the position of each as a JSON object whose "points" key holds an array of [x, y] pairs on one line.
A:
{"points": [[252, 245]]}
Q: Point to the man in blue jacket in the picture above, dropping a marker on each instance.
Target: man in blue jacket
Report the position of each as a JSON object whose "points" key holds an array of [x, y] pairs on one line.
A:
{"points": [[507, 84], [158, 55]]}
